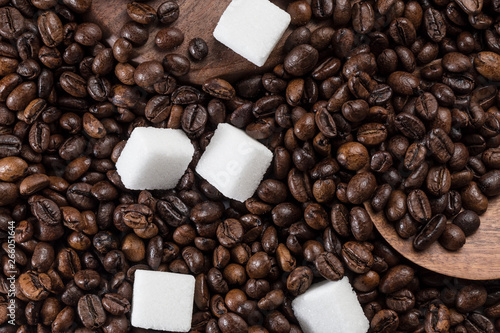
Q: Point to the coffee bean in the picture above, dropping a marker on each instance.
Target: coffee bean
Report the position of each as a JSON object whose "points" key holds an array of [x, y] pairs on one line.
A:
{"points": [[141, 13], [301, 59], [169, 38], [438, 318], [385, 321], [12, 22], [168, 12], [361, 187], [299, 280], [434, 25], [198, 48], [357, 257], [468, 221], [91, 311], [430, 232], [51, 28]]}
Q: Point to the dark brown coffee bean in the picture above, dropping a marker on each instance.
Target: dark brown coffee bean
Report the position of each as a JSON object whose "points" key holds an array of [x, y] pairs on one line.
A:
{"points": [[361, 187], [168, 12], [88, 34], [403, 83], [232, 323], [468, 221], [434, 25], [361, 224], [402, 31], [357, 257], [363, 17], [135, 33], [219, 88], [419, 206], [299, 280], [91, 311], [410, 126], [385, 321], [51, 29], [198, 48], [169, 38], [230, 232], [476, 322], [452, 238], [430, 232], [437, 318], [396, 279], [301, 60], [73, 84], [141, 13], [473, 199], [12, 22], [438, 180]]}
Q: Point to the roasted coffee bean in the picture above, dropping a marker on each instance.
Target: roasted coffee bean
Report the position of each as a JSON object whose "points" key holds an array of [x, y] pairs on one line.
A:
{"points": [[476, 322], [299, 280], [473, 199], [452, 238], [88, 34], [402, 31], [91, 311], [301, 59], [430, 232], [361, 187], [357, 257], [198, 48], [434, 25], [385, 321], [168, 12], [135, 33], [468, 221], [169, 38], [437, 318], [470, 297], [410, 126], [419, 206], [141, 13], [12, 22], [51, 29]]}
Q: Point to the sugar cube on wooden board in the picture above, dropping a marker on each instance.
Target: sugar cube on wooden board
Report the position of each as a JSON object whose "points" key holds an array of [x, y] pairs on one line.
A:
{"points": [[330, 307], [154, 158], [252, 28], [162, 301], [234, 162]]}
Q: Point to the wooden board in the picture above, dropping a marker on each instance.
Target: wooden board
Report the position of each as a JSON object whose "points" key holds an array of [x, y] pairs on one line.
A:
{"points": [[478, 259], [196, 19]]}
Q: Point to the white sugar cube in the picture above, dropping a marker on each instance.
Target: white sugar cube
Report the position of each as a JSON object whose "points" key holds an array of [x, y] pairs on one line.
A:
{"points": [[154, 158], [162, 301], [330, 307], [252, 28], [234, 162]]}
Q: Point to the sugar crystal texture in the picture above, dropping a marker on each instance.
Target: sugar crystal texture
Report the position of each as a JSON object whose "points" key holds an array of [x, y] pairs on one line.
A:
{"points": [[162, 301], [154, 158], [330, 307], [252, 28], [234, 162]]}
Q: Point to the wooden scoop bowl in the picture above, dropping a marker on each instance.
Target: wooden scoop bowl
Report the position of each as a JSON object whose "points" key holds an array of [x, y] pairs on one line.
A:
{"points": [[196, 19], [478, 259]]}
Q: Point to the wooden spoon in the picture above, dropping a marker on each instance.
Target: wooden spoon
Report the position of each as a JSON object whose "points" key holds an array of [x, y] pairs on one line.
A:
{"points": [[196, 19], [478, 259]]}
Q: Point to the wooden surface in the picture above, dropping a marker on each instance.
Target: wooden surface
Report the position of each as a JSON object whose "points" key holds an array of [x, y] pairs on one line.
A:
{"points": [[196, 19], [478, 259]]}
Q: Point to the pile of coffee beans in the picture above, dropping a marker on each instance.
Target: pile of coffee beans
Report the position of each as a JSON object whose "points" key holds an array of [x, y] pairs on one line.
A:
{"points": [[391, 102]]}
